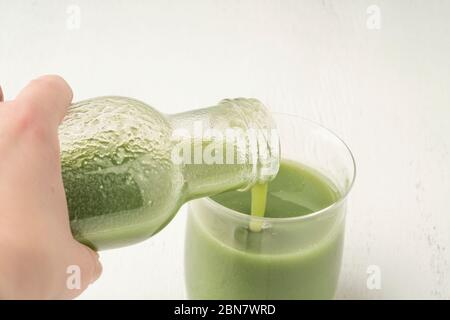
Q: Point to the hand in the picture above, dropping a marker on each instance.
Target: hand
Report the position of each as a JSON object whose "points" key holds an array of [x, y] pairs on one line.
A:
{"points": [[36, 244]]}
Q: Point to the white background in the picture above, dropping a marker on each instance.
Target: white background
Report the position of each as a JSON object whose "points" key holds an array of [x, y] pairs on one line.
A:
{"points": [[385, 91]]}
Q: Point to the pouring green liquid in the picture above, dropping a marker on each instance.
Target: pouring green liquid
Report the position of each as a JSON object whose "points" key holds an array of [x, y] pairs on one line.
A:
{"points": [[231, 259], [258, 204], [297, 190]]}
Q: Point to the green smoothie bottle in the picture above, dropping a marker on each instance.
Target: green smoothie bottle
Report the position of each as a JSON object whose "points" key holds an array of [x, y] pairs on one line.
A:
{"points": [[128, 168]]}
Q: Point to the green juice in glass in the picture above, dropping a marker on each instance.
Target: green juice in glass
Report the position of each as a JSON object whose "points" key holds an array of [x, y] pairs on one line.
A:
{"points": [[293, 253]]}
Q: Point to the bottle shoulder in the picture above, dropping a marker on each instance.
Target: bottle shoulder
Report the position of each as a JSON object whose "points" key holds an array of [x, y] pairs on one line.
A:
{"points": [[113, 120], [114, 135]]}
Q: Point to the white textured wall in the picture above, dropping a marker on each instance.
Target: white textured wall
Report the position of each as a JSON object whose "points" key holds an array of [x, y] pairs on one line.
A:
{"points": [[385, 91]]}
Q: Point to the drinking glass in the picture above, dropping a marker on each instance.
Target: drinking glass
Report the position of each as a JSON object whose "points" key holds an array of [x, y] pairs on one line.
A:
{"points": [[291, 258]]}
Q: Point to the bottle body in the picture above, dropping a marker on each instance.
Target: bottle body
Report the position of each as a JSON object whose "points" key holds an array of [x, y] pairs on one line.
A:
{"points": [[121, 181]]}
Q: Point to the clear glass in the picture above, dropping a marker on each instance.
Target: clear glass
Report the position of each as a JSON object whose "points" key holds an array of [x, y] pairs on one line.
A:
{"points": [[295, 258]]}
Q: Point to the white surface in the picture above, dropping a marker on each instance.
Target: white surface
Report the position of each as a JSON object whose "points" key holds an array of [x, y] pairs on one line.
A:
{"points": [[385, 91]]}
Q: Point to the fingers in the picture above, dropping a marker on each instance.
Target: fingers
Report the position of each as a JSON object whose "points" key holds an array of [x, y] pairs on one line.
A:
{"points": [[89, 266], [1, 94], [47, 98]]}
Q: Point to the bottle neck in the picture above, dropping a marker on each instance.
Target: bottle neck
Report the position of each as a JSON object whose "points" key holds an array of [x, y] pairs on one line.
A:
{"points": [[232, 145]]}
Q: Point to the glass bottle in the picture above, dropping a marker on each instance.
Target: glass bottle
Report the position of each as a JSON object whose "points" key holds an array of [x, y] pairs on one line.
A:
{"points": [[128, 168]]}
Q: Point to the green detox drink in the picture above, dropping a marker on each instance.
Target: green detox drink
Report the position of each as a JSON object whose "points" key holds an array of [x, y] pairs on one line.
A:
{"points": [[289, 254], [297, 190]]}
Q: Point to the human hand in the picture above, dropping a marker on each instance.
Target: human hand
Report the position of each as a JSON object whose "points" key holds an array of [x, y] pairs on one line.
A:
{"points": [[36, 244]]}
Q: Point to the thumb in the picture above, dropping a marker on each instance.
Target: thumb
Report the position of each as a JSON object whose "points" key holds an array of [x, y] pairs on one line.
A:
{"points": [[48, 96]]}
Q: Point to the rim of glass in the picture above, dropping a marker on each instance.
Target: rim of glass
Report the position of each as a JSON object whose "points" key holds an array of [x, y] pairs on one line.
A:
{"points": [[311, 215]]}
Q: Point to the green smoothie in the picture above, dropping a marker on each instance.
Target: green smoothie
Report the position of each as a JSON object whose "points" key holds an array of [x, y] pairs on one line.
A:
{"points": [[235, 256]]}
